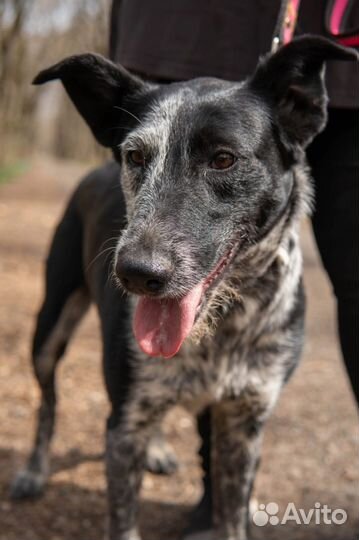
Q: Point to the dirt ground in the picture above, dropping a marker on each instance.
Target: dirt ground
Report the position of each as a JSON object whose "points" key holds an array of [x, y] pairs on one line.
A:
{"points": [[311, 444]]}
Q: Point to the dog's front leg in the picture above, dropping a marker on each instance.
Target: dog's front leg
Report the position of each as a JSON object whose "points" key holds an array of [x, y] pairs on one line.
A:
{"points": [[235, 455], [125, 462], [125, 455]]}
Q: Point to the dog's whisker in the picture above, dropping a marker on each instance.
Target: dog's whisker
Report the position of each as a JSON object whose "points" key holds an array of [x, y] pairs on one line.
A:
{"points": [[128, 112], [114, 128], [113, 238], [111, 248], [102, 251]]}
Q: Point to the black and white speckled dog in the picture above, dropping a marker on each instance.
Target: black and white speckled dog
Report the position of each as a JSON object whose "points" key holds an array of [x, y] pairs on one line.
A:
{"points": [[214, 182]]}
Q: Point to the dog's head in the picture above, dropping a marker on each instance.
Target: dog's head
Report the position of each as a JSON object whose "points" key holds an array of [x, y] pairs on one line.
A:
{"points": [[207, 170]]}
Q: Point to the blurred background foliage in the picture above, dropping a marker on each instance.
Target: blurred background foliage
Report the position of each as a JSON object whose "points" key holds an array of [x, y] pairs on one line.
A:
{"points": [[33, 35]]}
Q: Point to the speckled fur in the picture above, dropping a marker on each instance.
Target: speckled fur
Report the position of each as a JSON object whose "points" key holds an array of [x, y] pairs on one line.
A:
{"points": [[238, 370], [249, 333]]}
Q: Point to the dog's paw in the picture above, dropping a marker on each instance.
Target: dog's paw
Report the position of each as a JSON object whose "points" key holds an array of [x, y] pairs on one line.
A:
{"points": [[161, 458], [27, 484]]}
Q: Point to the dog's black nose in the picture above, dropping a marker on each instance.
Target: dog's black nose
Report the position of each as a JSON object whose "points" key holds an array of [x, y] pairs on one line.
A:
{"points": [[143, 276]]}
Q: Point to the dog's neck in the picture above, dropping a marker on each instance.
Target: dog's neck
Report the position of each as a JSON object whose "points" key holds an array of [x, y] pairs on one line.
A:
{"points": [[272, 257], [259, 257]]}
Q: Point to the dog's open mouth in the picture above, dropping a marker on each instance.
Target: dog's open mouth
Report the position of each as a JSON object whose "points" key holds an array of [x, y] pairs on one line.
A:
{"points": [[161, 325]]}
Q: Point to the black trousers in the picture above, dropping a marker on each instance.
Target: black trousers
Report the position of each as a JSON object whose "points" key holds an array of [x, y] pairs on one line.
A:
{"points": [[334, 160]]}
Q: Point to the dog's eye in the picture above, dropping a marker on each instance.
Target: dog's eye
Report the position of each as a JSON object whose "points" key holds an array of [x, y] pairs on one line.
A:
{"points": [[223, 160], [137, 158]]}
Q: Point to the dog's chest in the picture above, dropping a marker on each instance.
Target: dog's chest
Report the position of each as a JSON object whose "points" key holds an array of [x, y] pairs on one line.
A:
{"points": [[216, 369], [231, 361], [224, 361]]}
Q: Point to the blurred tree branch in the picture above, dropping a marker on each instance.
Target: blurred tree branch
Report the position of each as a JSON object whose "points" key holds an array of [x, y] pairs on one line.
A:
{"points": [[34, 34], [11, 31]]}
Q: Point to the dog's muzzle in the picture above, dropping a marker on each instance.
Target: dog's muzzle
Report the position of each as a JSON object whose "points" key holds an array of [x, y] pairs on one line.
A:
{"points": [[161, 323]]}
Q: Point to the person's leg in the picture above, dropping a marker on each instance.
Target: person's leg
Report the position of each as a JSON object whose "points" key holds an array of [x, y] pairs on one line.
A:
{"points": [[334, 159]]}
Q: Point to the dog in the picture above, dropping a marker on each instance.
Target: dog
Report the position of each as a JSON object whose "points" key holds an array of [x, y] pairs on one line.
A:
{"points": [[201, 300]]}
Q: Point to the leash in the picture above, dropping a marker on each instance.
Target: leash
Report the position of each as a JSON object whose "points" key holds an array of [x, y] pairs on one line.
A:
{"points": [[336, 15], [286, 23]]}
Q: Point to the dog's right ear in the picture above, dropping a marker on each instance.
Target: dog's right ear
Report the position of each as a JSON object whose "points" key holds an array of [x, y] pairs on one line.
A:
{"points": [[291, 81], [101, 91]]}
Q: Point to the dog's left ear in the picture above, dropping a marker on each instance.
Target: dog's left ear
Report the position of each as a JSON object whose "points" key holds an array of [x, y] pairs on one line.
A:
{"points": [[102, 92], [292, 82]]}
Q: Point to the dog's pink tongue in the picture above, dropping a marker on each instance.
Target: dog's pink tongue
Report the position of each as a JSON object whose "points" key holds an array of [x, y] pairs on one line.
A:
{"points": [[161, 326]]}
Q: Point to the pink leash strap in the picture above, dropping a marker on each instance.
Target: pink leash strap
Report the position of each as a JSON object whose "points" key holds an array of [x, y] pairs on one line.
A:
{"points": [[290, 20], [336, 13], [286, 23]]}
